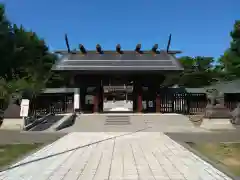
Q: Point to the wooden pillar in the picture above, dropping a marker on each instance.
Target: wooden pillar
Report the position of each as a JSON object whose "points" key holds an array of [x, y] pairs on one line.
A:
{"points": [[134, 95], [139, 101], [158, 102], [97, 99], [139, 97], [83, 90], [101, 96], [95, 102]]}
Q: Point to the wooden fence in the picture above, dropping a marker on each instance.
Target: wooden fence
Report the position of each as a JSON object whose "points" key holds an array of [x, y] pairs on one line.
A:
{"points": [[231, 100], [183, 103], [52, 103]]}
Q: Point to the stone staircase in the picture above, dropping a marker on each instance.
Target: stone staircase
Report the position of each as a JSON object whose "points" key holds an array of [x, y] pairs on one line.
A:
{"points": [[117, 120]]}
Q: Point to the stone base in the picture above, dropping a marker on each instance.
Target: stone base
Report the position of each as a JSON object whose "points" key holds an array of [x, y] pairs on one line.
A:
{"points": [[12, 124], [217, 124], [218, 111], [236, 116]]}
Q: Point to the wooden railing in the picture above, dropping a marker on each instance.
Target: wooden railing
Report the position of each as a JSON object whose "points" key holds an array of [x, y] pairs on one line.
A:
{"points": [[183, 103], [52, 103]]}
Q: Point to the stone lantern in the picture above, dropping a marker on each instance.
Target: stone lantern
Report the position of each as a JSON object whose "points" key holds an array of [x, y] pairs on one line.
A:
{"points": [[236, 115]]}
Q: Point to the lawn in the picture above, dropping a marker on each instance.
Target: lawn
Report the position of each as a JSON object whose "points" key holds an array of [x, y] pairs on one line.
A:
{"points": [[12, 152], [227, 154]]}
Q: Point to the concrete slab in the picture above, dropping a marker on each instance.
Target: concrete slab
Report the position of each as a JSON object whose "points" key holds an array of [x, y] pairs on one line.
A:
{"points": [[159, 122], [217, 124], [126, 156], [46, 123], [12, 124], [63, 120]]}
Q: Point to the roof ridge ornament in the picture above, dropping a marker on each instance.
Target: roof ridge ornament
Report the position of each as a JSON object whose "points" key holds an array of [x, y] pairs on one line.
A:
{"points": [[168, 46], [138, 49], [82, 49], [118, 49], [169, 42], [154, 49], [99, 49], [67, 43]]}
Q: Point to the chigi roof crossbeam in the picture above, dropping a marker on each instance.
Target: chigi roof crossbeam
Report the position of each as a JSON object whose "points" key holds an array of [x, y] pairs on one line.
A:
{"points": [[118, 60], [99, 49]]}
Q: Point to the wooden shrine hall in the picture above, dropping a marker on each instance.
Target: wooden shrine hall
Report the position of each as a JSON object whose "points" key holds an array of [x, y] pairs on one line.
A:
{"points": [[100, 76]]}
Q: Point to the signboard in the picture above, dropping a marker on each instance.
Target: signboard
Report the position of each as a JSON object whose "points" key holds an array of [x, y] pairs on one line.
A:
{"points": [[150, 104], [89, 99], [144, 104], [76, 101], [24, 108]]}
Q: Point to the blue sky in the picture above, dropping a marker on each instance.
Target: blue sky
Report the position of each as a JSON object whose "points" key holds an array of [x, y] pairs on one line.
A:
{"points": [[198, 27]]}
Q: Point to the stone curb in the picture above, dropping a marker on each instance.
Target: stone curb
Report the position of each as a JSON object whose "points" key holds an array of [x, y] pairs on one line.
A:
{"points": [[65, 122], [36, 122]]}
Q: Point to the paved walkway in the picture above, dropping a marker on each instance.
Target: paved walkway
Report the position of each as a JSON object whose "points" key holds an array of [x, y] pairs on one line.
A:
{"points": [[129, 156], [156, 122]]}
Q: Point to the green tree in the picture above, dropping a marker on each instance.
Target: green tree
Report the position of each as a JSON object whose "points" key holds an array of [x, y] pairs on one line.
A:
{"points": [[230, 61], [25, 60], [198, 71]]}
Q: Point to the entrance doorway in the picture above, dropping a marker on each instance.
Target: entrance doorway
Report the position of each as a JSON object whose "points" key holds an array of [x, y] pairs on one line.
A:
{"points": [[87, 100], [117, 99], [148, 100]]}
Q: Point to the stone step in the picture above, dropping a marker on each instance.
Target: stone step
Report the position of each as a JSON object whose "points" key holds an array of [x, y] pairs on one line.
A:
{"points": [[117, 123], [117, 120]]}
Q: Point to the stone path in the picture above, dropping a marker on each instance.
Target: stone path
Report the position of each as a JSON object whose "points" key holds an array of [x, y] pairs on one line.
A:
{"points": [[155, 122], [129, 156]]}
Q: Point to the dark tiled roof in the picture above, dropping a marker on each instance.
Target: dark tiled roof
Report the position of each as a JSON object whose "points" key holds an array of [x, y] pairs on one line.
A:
{"points": [[58, 90], [111, 61], [226, 86]]}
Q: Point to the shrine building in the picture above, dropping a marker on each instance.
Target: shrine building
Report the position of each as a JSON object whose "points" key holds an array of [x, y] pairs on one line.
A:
{"points": [[131, 78]]}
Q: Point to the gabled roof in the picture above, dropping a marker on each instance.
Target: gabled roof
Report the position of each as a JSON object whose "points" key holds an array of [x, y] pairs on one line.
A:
{"points": [[222, 87], [58, 90], [112, 61], [226, 86]]}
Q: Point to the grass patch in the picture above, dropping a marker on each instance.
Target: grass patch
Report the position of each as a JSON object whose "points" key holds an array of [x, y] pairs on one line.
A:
{"points": [[11, 152], [227, 154]]}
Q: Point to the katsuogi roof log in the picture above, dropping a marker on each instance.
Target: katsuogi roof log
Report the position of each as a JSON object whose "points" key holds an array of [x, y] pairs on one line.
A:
{"points": [[118, 49], [134, 60], [82, 49]]}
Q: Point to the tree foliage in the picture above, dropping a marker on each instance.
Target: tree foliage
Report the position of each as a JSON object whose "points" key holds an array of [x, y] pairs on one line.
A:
{"points": [[230, 61], [25, 60], [198, 71], [202, 71]]}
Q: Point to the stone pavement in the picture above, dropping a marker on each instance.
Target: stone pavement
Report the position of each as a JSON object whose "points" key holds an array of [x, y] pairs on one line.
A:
{"points": [[114, 156], [156, 122]]}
